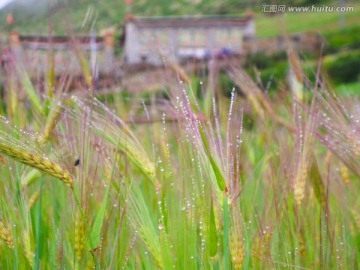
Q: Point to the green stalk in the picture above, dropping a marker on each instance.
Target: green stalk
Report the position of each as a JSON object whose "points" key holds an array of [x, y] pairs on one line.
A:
{"points": [[38, 229], [16, 252], [226, 232]]}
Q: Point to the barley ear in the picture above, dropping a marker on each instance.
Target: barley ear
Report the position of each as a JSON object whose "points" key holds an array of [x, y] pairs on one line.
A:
{"points": [[31, 177], [29, 254], [2, 160], [37, 161], [236, 242], [344, 174], [5, 235], [79, 236], [33, 198], [152, 246], [300, 180], [53, 116]]}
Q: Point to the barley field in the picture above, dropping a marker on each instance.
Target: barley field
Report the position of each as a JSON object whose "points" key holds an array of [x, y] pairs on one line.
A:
{"points": [[186, 179]]}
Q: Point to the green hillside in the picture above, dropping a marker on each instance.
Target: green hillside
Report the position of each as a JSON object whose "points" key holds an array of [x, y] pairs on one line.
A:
{"points": [[32, 16], [305, 21]]}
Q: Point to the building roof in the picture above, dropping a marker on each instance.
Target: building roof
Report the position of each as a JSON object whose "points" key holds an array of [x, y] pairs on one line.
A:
{"points": [[191, 21], [59, 39], [60, 42]]}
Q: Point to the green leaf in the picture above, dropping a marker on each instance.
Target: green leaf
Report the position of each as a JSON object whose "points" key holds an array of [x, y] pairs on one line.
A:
{"points": [[30, 90], [213, 240], [95, 233], [218, 174]]}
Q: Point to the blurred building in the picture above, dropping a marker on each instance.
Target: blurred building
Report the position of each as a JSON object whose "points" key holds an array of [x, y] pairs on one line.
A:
{"points": [[32, 52], [149, 39]]}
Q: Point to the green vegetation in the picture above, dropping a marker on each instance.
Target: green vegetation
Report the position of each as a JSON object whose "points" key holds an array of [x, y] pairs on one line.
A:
{"points": [[340, 60], [348, 89], [345, 67], [305, 21], [346, 38]]}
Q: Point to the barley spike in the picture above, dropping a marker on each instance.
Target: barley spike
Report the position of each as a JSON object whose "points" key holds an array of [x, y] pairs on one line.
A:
{"points": [[37, 161], [5, 235]]}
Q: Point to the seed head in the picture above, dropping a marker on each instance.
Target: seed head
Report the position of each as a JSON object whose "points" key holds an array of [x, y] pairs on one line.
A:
{"points": [[5, 235]]}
